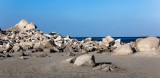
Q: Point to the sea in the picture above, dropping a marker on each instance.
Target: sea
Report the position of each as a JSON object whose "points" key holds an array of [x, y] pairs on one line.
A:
{"points": [[123, 39]]}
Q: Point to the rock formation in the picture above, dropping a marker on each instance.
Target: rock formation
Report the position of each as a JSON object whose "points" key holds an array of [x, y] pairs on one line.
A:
{"points": [[25, 36], [147, 44]]}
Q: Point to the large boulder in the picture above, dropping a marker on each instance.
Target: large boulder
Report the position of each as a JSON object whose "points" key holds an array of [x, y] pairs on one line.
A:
{"points": [[117, 43], [147, 44], [106, 41], [123, 50], [59, 41], [30, 26], [22, 24], [25, 25], [85, 60]]}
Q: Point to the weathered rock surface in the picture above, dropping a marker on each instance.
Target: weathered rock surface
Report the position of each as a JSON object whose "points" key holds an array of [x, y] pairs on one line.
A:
{"points": [[106, 41], [85, 60], [147, 44], [25, 25], [24, 37], [123, 50]]}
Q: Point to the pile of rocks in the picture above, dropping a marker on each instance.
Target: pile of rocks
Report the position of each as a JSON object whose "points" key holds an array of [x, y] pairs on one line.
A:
{"points": [[24, 36]]}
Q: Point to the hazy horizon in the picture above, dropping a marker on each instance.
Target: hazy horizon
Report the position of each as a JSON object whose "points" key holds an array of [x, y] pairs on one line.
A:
{"points": [[85, 18]]}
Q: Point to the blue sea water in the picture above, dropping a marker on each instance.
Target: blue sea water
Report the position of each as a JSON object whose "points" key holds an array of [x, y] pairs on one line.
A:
{"points": [[123, 39]]}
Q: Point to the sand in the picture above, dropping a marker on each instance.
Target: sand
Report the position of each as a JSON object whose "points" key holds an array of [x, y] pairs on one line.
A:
{"points": [[51, 67]]}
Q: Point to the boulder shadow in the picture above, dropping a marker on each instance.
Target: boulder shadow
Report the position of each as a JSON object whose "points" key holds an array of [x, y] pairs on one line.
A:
{"points": [[100, 63]]}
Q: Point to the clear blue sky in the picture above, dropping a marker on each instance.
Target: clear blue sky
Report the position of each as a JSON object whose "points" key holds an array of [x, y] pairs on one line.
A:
{"points": [[85, 17]]}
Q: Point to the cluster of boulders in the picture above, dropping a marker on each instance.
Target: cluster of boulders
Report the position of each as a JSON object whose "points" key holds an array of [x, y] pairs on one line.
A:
{"points": [[89, 60], [148, 45], [24, 36]]}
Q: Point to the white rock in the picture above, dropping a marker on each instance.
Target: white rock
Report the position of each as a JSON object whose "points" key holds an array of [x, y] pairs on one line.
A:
{"points": [[36, 45], [30, 26], [25, 25], [59, 38], [123, 50], [22, 24], [117, 43], [59, 43], [26, 44], [16, 48], [147, 44], [107, 40], [85, 60]]}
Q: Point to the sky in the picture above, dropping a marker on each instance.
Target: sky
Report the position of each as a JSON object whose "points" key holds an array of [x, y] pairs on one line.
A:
{"points": [[85, 18]]}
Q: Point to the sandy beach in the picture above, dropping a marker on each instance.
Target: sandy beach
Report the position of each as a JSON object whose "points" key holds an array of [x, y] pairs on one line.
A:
{"points": [[51, 67]]}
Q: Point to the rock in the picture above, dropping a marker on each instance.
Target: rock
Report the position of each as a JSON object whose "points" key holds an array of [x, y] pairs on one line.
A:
{"points": [[67, 38], [47, 50], [88, 39], [42, 55], [25, 25], [71, 54], [100, 67], [22, 24], [36, 45], [147, 44], [102, 46], [106, 69], [30, 26], [55, 49], [97, 68], [59, 38], [106, 41], [89, 49], [123, 50], [117, 43], [30, 44], [90, 46], [16, 48], [85, 60], [69, 60], [103, 67], [133, 44], [59, 41], [47, 44], [7, 47]]}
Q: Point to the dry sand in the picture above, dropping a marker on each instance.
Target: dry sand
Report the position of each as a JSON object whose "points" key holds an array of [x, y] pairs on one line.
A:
{"points": [[50, 67]]}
